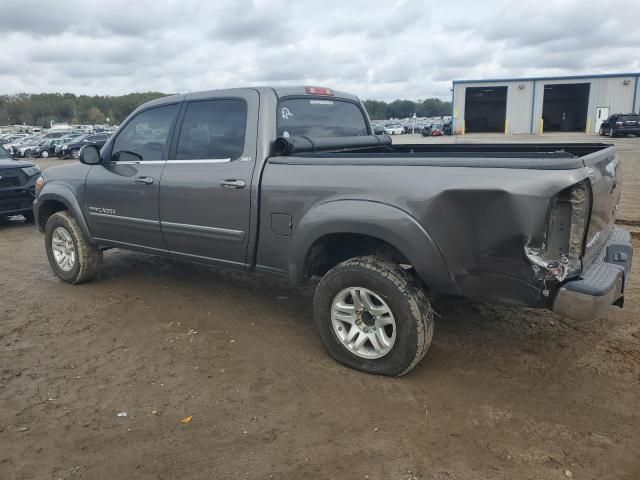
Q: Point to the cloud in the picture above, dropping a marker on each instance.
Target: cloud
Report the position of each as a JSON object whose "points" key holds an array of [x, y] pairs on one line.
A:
{"points": [[375, 49]]}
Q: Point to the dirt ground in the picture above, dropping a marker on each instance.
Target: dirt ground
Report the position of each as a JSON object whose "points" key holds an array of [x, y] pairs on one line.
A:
{"points": [[502, 394]]}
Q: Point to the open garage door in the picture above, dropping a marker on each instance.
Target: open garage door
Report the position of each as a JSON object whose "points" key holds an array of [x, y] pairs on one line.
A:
{"points": [[564, 107], [485, 109]]}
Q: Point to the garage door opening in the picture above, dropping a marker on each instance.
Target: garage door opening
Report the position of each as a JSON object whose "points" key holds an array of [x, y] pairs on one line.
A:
{"points": [[564, 107], [485, 109]]}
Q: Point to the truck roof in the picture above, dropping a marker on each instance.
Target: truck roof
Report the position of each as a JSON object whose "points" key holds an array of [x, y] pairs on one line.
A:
{"points": [[280, 92]]}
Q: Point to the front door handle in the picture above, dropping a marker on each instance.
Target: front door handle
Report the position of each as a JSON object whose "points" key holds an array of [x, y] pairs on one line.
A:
{"points": [[233, 183], [144, 180]]}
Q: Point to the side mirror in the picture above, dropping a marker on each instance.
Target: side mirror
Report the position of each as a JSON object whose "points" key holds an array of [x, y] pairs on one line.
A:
{"points": [[89, 155]]}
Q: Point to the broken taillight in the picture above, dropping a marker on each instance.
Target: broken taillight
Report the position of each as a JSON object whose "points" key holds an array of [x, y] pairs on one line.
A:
{"points": [[560, 256]]}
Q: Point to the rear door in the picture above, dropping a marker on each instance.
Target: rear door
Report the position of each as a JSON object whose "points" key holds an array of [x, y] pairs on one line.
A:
{"points": [[602, 113], [122, 194], [205, 195]]}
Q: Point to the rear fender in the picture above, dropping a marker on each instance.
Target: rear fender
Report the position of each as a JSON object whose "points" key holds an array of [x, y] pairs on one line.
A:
{"points": [[379, 220]]}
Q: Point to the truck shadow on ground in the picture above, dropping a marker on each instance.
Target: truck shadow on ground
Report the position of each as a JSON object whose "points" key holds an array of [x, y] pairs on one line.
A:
{"points": [[468, 334]]}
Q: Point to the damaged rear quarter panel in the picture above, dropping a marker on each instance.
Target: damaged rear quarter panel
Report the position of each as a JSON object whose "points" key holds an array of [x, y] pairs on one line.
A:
{"points": [[481, 222], [477, 217]]}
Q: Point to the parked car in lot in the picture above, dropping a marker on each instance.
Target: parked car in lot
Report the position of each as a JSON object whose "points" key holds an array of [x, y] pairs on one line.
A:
{"points": [[290, 182], [394, 129], [17, 186], [378, 129], [47, 148], [6, 140], [20, 143], [25, 147], [72, 149], [621, 124]]}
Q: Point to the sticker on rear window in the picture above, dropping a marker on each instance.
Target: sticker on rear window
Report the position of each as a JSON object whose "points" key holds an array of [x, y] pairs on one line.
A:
{"points": [[320, 102], [286, 113]]}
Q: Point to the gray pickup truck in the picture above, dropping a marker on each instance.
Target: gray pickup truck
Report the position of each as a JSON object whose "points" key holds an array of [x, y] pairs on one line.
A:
{"points": [[291, 182]]}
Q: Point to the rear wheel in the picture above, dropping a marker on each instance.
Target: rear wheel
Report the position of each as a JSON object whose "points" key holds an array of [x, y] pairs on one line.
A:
{"points": [[373, 316], [71, 256]]}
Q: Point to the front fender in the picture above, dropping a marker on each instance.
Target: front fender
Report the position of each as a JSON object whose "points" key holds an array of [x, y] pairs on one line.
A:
{"points": [[56, 192], [379, 220]]}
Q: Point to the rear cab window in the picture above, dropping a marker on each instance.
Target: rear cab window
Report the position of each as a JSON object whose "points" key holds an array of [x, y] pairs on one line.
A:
{"points": [[629, 118], [320, 117], [213, 129]]}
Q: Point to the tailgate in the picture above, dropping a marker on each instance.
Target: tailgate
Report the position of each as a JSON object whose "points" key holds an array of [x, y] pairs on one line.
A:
{"points": [[604, 176]]}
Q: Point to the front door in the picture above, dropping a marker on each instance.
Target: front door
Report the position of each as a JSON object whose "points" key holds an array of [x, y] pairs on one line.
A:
{"points": [[602, 113], [122, 194], [205, 193]]}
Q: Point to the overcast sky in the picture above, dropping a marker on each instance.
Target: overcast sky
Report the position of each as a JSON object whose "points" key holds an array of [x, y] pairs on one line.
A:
{"points": [[375, 49]]}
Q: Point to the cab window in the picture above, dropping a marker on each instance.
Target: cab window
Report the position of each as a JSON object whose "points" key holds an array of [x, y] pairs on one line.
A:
{"points": [[213, 129], [146, 136]]}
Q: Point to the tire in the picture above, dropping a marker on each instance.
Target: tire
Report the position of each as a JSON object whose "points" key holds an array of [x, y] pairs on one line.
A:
{"points": [[27, 153], [392, 287], [75, 153], [28, 216], [601, 132], [44, 153], [87, 258]]}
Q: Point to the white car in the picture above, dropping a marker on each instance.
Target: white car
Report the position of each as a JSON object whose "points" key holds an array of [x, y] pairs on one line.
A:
{"points": [[394, 130]]}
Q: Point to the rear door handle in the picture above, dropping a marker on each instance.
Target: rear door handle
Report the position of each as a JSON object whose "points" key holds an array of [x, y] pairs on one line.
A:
{"points": [[144, 180], [233, 183]]}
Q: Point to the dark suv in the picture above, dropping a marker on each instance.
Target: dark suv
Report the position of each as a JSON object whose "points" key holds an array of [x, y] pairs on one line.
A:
{"points": [[72, 149], [621, 124], [17, 186]]}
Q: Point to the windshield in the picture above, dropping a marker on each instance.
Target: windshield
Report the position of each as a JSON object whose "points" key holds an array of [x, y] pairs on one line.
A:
{"points": [[313, 117]]}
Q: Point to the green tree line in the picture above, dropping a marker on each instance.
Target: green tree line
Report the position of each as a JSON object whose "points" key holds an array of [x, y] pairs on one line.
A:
{"points": [[431, 107], [40, 109]]}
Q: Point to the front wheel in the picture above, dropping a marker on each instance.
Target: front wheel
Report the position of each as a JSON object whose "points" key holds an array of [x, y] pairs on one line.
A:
{"points": [[611, 134], [373, 316], [75, 153], [44, 153], [72, 258]]}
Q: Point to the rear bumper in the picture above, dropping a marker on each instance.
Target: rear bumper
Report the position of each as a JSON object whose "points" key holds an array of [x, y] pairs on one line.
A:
{"points": [[602, 284], [627, 131]]}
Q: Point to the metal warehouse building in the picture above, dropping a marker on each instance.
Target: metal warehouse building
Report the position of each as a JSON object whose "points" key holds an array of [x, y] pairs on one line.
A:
{"points": [[539, 105]]}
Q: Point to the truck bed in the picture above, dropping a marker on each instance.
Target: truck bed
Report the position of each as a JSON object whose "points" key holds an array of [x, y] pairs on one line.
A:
{"points": [[549, 156]]}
